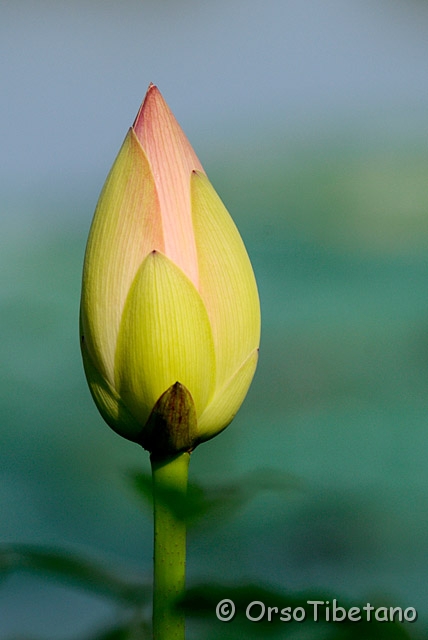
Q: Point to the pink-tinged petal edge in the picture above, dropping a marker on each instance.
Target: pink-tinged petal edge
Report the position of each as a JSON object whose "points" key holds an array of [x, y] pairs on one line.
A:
{"points": [[172, 161]]}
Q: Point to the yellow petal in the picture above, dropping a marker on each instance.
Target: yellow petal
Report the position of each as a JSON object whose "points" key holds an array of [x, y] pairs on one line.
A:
{"points": [[108, 401], [222, 409], [172, 160], [126, 227], [164, 338], [226, 280]]}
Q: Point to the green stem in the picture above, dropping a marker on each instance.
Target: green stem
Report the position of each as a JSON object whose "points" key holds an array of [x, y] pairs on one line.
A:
{"points": [[169, 477]]}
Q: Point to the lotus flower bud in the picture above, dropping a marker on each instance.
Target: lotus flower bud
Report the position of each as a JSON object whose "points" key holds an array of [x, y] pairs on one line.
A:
{"points": [[170, 317]]}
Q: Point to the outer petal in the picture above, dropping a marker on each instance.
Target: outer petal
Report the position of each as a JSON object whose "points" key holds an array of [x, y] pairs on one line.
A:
{"points": [[221, 411], [226, 280], [172, 425], [172, 160], [126, 227], [165, 337], [108, 401]]}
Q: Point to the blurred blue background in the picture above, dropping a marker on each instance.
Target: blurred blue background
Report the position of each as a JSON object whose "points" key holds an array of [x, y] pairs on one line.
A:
{"points": [[311, 119]]}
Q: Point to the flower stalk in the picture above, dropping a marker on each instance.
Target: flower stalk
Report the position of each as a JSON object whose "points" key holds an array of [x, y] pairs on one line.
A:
{"points": [[169, 563]]}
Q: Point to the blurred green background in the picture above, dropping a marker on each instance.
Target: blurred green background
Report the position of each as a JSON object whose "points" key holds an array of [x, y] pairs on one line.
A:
{"points": [[311, 119]]}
